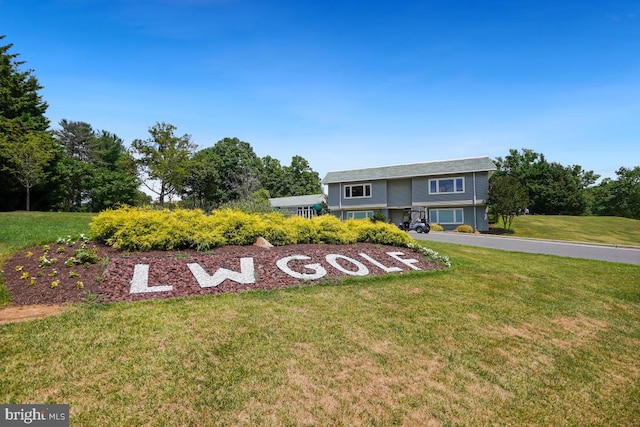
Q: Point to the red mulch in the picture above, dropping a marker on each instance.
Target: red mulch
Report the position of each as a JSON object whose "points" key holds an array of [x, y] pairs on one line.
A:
{"points": [[110, 281]]}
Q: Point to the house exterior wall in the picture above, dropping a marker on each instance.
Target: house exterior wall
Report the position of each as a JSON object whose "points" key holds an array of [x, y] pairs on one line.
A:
{"points": [[392, 196], [399, 193]]}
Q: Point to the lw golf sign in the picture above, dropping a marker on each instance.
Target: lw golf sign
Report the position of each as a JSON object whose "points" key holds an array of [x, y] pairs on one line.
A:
{"points": [[210, 272]]}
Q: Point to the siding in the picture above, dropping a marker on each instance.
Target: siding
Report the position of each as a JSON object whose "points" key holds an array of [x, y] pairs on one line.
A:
{"points": [[377, 200], [399, 193]]}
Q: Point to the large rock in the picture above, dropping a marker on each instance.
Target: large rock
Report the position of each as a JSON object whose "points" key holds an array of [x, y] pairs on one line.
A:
{"points": [[262, 243]]}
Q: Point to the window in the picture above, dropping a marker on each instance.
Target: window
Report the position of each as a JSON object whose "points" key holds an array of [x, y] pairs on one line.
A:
{"points": [[359, 214], [446, 216], [446, 185], [356, 191]]}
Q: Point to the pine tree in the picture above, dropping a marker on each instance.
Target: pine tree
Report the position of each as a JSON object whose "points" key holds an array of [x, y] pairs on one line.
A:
{"points": [[22, 121]]}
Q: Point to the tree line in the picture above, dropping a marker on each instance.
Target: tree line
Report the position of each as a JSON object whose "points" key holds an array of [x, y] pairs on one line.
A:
{"points": [[78, 168], [525, 179]]}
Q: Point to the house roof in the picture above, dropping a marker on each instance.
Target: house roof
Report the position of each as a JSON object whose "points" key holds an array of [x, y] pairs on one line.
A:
{"points": [[294, 201], [440, 167]]}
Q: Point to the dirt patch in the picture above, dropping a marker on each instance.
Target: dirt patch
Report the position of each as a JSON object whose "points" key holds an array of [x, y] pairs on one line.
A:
{"points": [[21, 313], [46, 276]]}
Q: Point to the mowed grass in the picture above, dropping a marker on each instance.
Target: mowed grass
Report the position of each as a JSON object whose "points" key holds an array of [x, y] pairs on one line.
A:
{"points": [[501, 338], [596, 229], [20, 230]]}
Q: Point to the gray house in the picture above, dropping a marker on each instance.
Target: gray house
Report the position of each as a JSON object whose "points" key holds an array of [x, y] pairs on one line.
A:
{"points": [[447, 192], [305, 206]]}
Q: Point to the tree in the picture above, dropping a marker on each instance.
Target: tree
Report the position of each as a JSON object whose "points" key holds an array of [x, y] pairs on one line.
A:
{"points": [[27, 159], [164, 158], [620, 197], [272, 177], [75, 138], [238, 170], [298, 179], [552, 188], [507, 197], [21, 118], [201, 183], [301, 179]]}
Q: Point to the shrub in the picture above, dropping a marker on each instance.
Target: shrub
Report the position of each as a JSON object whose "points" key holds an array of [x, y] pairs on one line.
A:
{"points": [[140, 229], [436, 227], [377, 232], [332, 230], [464, 228]]}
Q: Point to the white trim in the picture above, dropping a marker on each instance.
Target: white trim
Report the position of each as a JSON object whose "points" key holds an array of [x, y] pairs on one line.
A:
{"points": [[350, 214], [437, 212], [364, 185], [453, 178]]}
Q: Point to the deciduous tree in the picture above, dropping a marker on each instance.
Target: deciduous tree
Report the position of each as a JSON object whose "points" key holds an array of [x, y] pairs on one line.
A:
{"points": [[164, 158], [27, 159], [507, 197]]}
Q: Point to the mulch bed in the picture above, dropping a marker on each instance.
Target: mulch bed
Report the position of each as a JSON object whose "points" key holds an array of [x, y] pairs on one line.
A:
{"points": [[110, 278]]}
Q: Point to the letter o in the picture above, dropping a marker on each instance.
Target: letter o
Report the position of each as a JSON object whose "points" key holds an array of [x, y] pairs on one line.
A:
{"points": [[333, 260]]}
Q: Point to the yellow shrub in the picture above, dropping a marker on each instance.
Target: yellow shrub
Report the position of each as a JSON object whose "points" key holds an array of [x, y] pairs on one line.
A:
{"points": [[464, 228], [377, 232], [436, 227], [141, 229], [275, 228], [304, 230], [332, 230]]}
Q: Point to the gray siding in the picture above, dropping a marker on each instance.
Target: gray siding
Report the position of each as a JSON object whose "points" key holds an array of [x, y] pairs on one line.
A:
{"points": [[393, 194], [377, 200], [399, 193], [333, 199]]}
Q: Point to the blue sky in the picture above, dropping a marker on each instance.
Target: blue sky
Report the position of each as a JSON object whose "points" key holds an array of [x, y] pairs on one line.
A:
{"points": [[347, 84]]}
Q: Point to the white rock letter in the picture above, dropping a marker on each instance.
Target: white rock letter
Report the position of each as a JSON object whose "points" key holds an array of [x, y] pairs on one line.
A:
{"points": [[379, 264], [140, 282], [245, 276], [408, 262], [333, 260], [283, 264]]}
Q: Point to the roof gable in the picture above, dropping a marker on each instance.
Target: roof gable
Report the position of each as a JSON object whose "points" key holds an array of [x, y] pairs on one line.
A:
{"points": [[410, 170]]}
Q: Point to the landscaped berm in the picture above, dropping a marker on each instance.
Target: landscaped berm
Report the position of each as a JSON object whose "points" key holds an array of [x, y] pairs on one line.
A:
{"points": [[500, 338], [142, 253]]}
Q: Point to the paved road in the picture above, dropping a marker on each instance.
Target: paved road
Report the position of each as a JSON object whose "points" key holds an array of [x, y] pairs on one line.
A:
{"points": [[622, 254]]}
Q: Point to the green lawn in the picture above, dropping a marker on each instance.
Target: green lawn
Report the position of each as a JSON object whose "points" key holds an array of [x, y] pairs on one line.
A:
{"points": [[596, 229], [500, 339], [19, 230]]}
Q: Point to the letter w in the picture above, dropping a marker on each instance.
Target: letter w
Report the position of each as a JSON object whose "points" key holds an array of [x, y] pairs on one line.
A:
{"points": [[245, 276]]}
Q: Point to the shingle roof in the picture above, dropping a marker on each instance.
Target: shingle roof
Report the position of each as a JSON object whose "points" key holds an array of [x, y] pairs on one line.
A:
{"points": [[440, 167], [294, 201]]}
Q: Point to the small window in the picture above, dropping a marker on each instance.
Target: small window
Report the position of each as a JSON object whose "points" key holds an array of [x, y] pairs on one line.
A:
{"points": [[357, 191], [446, 185]]}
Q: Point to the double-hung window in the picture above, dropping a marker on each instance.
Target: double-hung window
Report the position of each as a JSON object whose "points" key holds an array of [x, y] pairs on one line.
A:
{"points": [[446, 185], [357, 191]]}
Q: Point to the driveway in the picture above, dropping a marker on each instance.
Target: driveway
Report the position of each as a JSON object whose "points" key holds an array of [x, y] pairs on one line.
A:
{"points": [[599, 252]]}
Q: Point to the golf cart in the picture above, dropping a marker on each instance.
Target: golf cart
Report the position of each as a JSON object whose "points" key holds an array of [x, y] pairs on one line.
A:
{"points": [[416, 220]]}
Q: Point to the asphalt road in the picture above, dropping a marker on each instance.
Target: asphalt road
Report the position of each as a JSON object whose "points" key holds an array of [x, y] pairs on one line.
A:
{"points": [[621, 254]]}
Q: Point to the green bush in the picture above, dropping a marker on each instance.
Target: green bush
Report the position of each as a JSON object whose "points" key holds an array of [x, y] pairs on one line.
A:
{"points": [[436, 227], [464, 228]]}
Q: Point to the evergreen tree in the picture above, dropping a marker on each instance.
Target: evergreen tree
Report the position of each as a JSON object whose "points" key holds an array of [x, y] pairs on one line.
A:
{"points": [[22, 121]]}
